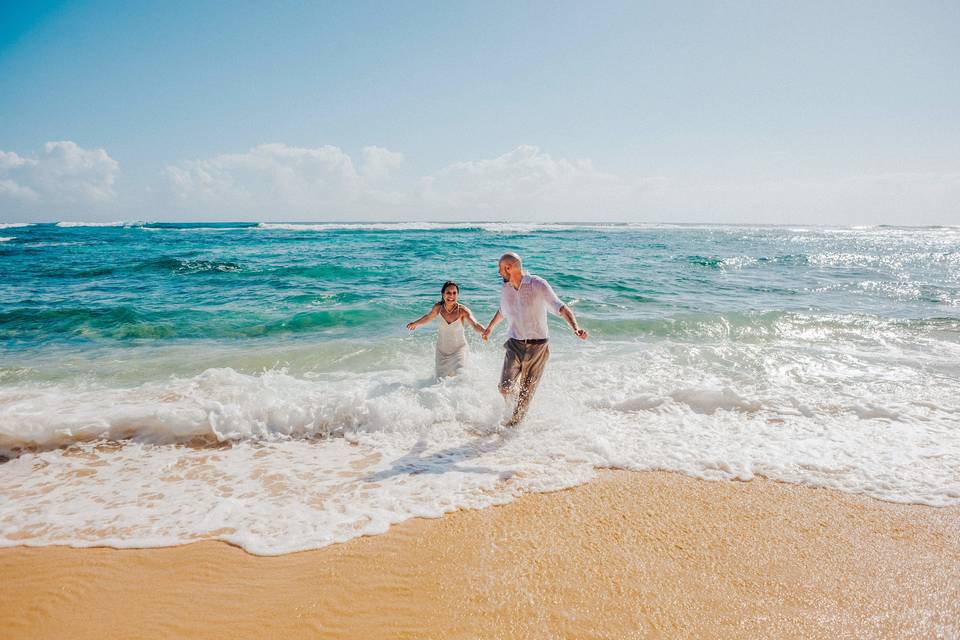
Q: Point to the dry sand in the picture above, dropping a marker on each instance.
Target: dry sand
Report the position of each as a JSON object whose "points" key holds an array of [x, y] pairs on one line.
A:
{"points": [[630, 555]]}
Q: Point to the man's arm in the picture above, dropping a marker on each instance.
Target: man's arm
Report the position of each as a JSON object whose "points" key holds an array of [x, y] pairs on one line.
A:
{"points": [[572, 321], [556, 305], [494, 321]]}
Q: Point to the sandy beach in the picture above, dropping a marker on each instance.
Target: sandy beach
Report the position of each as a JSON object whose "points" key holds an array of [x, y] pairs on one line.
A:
{"points": [[629, 555]]}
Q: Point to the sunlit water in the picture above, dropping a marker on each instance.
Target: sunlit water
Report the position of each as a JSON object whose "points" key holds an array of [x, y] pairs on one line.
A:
{"points": [[255, 383]]}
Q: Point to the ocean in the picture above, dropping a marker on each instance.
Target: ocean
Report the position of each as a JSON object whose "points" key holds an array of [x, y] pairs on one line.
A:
{"points": [[162, 383]]}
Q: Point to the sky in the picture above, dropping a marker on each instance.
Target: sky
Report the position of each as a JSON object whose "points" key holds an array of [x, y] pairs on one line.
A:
{"points": [[740, 112]]}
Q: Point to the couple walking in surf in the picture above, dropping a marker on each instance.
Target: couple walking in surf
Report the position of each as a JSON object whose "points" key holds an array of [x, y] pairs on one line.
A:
{"points": [[524, 301]]}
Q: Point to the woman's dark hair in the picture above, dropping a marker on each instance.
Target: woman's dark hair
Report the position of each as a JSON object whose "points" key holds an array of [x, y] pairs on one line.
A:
{"points": [[443, 289], [449, 283]]}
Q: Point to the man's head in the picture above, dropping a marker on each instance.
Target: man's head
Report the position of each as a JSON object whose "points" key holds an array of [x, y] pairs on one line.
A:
{"points": [[510, 264]]}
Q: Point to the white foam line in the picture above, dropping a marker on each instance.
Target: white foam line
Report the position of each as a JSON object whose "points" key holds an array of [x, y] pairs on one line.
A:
{"points": [[117, 223], [492, 227], [371, 226]]}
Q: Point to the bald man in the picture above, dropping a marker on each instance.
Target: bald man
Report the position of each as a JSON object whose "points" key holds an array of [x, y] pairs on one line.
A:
{"points": [[524, 302]]}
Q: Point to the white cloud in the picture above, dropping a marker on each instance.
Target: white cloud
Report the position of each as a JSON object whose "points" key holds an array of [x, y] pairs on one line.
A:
{"points": [[527, 183], [378, 163], [63, 174], [276, 181], [280, 181]]}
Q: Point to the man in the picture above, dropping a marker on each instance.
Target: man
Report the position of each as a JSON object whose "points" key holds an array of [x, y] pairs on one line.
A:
{"points": [[524, 301]]}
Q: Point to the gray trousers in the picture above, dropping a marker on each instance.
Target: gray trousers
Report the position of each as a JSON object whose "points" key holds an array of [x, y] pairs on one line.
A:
{"points": [[523, 362]]}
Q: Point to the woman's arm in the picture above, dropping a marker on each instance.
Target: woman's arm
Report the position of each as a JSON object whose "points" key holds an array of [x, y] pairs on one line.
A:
{"points": [[493, 322], [467, 315], [430, 315]]}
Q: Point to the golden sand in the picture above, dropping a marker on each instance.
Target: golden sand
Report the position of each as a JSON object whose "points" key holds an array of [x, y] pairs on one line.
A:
{"points": [[630, 555]]}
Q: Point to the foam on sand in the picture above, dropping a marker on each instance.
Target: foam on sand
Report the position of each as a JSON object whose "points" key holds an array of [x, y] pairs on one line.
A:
{"points": [[658, 552]]}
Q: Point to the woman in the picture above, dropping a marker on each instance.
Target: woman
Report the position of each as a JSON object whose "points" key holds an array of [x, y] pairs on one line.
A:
{"points": [[451, 343]]}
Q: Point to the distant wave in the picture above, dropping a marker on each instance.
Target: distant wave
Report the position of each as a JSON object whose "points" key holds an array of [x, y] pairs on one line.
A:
{"points": [[177, 265], [738, 262], [490, 227], [159, 226], [361, 226], [15, 225], [7, 238], [520, 227], [165, 264], [124, 322], [198, 226], [503, 227], [118, 223]]}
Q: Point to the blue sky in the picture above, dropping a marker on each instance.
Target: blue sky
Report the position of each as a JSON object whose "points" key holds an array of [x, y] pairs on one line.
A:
{"points": [[804, 112]]}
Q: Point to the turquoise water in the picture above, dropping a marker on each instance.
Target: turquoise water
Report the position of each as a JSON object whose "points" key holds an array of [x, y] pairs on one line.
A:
{"points": [[822, 356], [164, 283]]}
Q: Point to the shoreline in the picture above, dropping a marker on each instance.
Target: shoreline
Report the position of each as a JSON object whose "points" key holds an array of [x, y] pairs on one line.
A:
{"points": [[629, 554]]}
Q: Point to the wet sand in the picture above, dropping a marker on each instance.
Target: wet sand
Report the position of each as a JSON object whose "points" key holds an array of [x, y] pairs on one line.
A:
{"points": [[629, 555]]}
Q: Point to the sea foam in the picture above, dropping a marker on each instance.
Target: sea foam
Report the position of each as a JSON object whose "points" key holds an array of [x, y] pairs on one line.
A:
{"points": [[279, 462]]}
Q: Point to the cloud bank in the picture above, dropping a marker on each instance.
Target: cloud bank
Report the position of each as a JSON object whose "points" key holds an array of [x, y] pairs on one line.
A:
{"points": [[301, 183], [529, 182], [281, 182], [269, 177], [62, 175]]}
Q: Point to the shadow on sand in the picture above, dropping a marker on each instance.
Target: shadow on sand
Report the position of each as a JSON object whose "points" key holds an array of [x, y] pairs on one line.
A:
{"points": [[445, 461]]}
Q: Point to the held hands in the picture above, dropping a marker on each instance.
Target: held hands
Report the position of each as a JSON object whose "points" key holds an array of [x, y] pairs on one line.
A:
{"points": [[486, 333]]}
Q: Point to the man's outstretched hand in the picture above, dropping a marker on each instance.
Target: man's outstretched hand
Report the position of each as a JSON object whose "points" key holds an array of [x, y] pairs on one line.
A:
{"points": [[580, 333]]}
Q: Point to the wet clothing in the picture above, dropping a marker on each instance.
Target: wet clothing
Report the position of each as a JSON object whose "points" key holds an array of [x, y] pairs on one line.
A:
{"points": [[527, 351], [523, 363], [452, 347], [525, 309]]}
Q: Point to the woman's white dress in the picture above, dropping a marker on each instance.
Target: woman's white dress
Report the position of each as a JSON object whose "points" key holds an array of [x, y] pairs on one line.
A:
{"points": [[451, 347]]}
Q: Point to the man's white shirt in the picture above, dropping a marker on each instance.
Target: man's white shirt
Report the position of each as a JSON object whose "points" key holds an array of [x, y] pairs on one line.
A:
{"points": [[526, 308]]}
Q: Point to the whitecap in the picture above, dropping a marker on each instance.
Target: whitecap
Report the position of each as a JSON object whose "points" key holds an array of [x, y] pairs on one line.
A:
{"points": [[116, 223]]}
